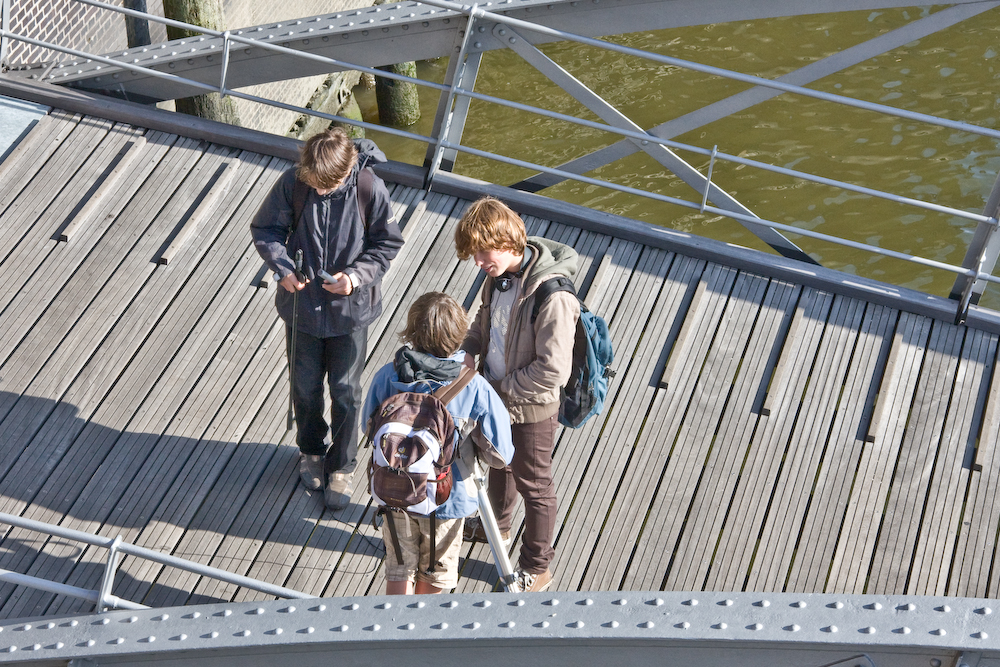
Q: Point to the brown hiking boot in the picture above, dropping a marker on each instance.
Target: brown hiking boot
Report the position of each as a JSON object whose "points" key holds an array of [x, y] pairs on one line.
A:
{"points": [[533, 583]]}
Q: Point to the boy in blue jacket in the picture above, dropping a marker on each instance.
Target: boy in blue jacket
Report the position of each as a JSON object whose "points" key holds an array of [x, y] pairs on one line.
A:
{"points": [[435, 328]]}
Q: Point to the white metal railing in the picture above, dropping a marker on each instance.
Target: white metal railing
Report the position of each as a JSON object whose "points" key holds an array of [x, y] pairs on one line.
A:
{"points": [[972, 276], [103, 597]]}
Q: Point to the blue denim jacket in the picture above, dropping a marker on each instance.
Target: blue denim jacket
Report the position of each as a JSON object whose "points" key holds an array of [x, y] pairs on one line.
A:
{"points": [[478, 403]]}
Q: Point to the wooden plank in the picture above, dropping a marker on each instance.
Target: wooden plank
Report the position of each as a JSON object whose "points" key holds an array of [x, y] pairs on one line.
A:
{"points": [[217, 516], [822, 527], [733, 461], [38, 214], [757, 320], [680, 468], [852, 559], [19, 430], [30, 156], [220, 183], [125, 439], [622, 512], [973, 572], [96, 196], [941, 520], [832, 324], [918, 451]]}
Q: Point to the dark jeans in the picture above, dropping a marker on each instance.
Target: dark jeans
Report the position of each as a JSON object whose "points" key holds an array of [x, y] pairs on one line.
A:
{"points": [[340, 360], [530, 474]]}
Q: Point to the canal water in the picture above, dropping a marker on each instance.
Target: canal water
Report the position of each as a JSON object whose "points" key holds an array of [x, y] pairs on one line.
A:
{"points": [[953, 74]]}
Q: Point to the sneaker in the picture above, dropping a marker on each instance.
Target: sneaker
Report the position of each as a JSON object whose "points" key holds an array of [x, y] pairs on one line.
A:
{"points": [[473, 531], [311, 471], [337, 494], [533, 583]]}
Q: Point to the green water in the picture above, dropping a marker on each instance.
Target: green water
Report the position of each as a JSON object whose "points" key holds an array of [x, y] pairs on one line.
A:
{"points": [[953, 74]]}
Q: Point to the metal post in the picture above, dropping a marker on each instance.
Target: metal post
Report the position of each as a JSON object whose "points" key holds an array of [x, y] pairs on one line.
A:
{"points": [[984, 249], [445, 111], [225, 64], [4, 40], [110, 568], [708, 179]]}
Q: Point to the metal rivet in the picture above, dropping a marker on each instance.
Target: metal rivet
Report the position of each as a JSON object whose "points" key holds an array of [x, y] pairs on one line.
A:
{"points": [[612, 624], [980, 635], [483, 603], [350, 607], [119, 640], [940, 632], [620, 601], [683, 626], [799, 605], [472, 626], [830, 628], [984, 611], [408, 626], [720, 626], [417, 605], [902, 631], [755, 626], [690, 603], [868, 631], [374, 628], [507, 624], [340, 628], [793, 627], [647, 624], [451, 604], [726, 603]]}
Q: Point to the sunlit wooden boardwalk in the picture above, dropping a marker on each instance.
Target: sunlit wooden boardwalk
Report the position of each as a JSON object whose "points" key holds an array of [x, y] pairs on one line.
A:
{"points": [[765, 432]]}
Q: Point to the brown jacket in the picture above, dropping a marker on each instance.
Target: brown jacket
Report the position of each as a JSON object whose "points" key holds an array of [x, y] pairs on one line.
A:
{"points": [[538, 356]]}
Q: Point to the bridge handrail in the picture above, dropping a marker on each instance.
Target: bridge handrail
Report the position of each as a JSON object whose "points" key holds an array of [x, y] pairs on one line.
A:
{"points": [[116, 547], [971, 271]]}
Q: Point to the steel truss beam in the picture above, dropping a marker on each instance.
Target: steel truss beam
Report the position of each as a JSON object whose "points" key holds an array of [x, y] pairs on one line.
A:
{"points": [[387, 34], [556, 629], [741, 101]]}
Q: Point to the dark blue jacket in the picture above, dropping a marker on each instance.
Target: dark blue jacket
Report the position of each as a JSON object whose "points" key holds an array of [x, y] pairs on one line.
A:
{"points": [[332, 236]]}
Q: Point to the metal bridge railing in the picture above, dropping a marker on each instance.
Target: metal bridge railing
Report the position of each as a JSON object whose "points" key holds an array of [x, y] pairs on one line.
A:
{"points": [[103, 597], [971, 277]]}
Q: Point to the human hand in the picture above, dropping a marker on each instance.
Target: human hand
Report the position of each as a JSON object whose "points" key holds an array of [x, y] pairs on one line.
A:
{"points": [[342, 284], [469, 361], [292, 284]]}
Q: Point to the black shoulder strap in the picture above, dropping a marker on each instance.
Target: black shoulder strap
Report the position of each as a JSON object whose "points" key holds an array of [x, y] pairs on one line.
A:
{"points": [[446, 393], [299, 193], [366, 194], [547, 289]]}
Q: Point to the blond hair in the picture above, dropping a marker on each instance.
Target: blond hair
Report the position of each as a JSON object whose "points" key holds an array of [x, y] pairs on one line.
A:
{"points": [[489, 224], [435, 324], [326, 159]]}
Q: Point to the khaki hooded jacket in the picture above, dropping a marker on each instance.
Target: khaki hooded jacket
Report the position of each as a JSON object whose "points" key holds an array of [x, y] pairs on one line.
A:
{"points": [[539, 355]]}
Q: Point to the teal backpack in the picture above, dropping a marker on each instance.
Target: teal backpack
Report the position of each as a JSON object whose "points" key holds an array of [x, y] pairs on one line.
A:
{"points": [[587, 387]]}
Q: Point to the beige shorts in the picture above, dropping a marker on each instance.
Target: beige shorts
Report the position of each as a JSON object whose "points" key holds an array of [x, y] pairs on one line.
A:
{"points": [[414, 533]]}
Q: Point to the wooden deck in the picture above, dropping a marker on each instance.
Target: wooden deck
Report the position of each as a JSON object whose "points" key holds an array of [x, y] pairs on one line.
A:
{"points": [[762, 435]]}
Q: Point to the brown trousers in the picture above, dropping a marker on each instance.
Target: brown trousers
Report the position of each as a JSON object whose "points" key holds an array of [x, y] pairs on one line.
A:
{"points": [[530, 474]]}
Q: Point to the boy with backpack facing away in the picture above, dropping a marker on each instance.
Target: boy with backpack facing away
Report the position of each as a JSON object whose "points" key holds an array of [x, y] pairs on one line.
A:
{"points": [[422, 545], [526, 352], [333, 214]]}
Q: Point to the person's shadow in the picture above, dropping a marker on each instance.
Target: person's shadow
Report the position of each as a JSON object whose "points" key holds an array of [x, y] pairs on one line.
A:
{"points": [[237, 506]]}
